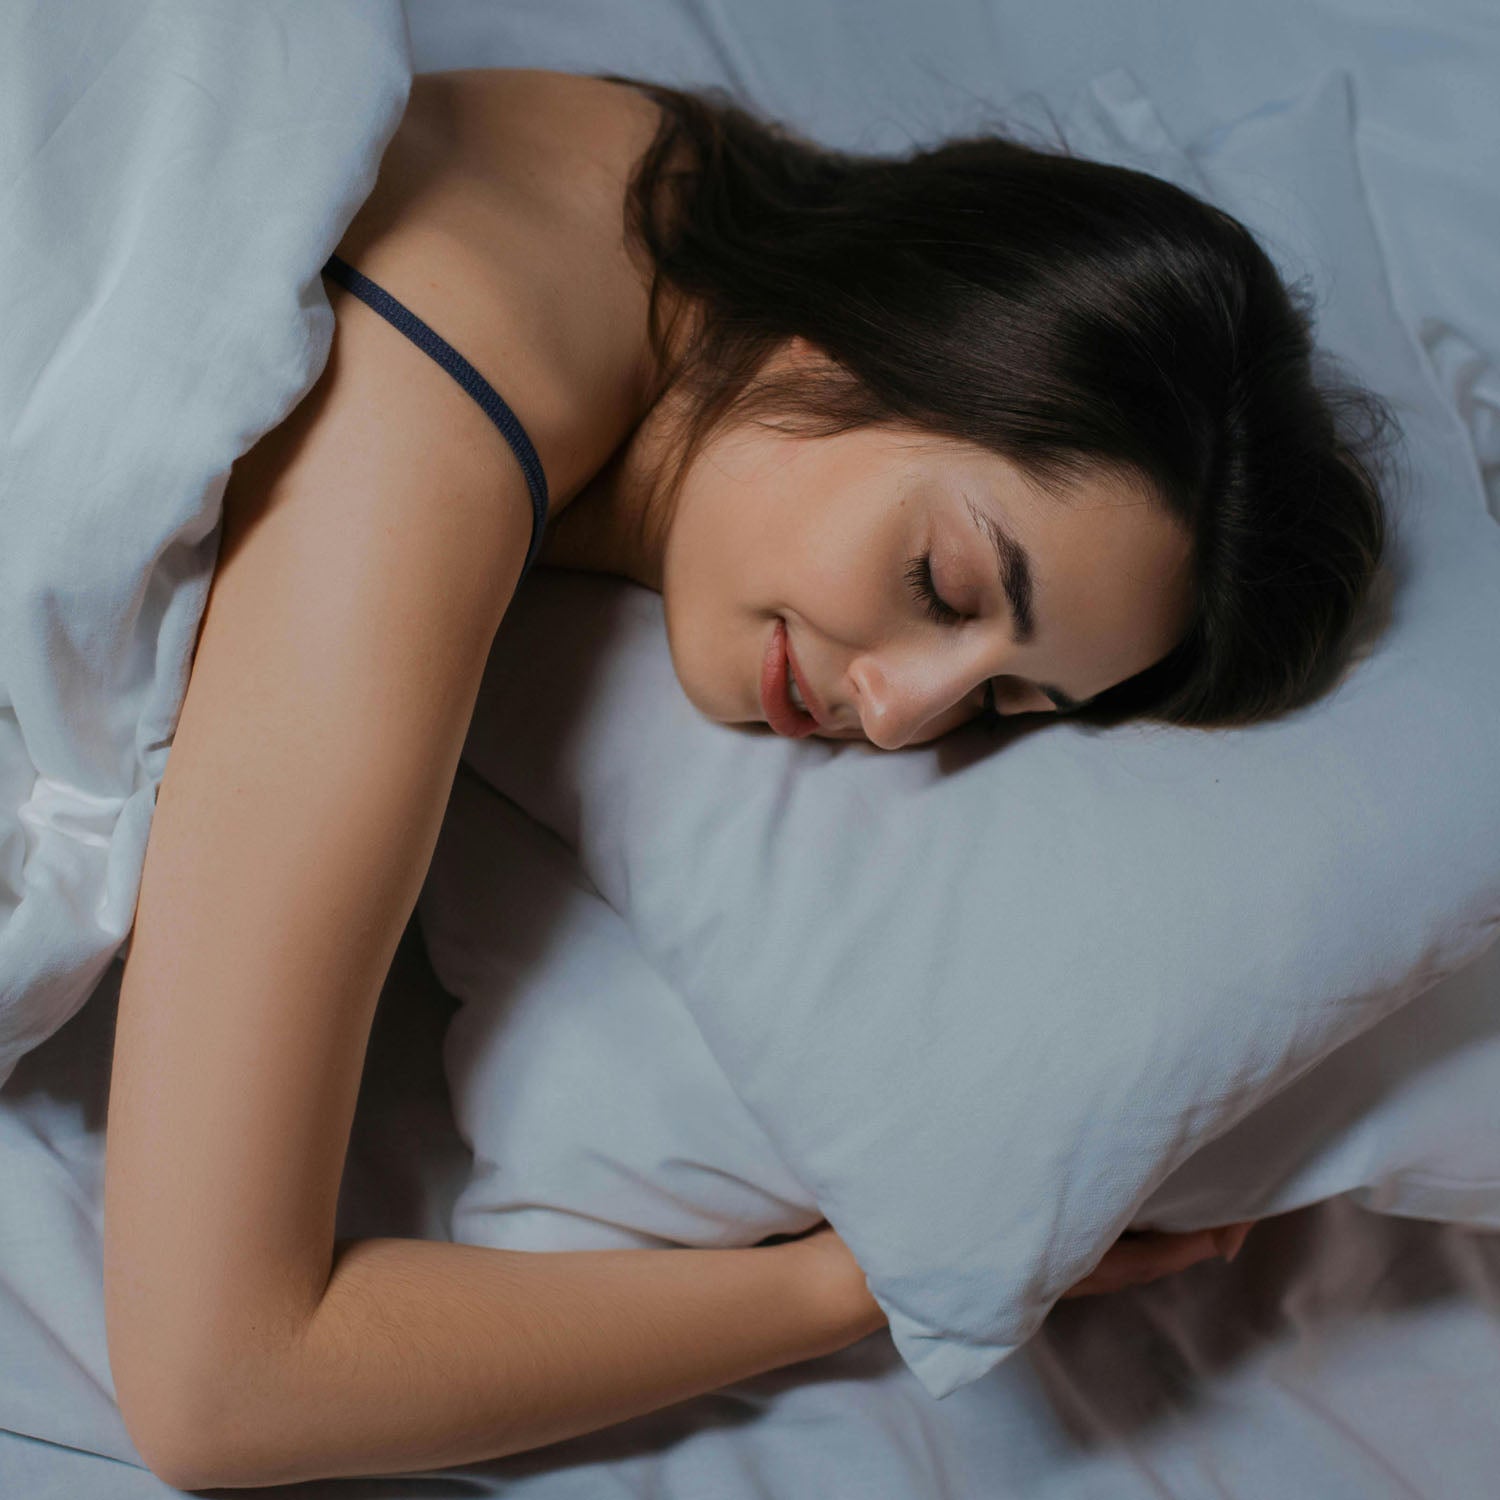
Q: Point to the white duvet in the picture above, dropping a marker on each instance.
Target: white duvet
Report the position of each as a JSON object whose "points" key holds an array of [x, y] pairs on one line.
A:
{"points": [[172, 177]]}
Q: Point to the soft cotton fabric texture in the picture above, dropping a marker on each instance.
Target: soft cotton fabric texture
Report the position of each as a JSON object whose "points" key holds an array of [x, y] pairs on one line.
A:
{"points": [[598, 1118], [985, 998], [172, 177], [1350, 1349]]}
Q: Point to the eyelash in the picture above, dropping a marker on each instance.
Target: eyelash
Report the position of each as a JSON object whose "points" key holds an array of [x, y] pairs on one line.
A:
{"points": [[919, 576]]}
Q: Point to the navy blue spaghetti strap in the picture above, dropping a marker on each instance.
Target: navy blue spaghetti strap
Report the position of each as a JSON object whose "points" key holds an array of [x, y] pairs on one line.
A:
{"points": [[400, 316]]}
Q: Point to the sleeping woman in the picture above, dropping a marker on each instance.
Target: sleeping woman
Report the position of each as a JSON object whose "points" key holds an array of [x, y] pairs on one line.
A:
{"points": [[978, 432]]}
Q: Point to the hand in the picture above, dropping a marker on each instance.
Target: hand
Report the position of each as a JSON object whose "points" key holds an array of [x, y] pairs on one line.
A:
{"points": [[1136, 1258]]}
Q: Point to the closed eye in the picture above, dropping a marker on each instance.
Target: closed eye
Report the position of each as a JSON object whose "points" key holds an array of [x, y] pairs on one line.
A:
{"points": [[919, 576]]}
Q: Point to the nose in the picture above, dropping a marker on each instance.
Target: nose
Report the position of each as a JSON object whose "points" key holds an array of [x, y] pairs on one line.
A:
{"points": [[896, 706]]}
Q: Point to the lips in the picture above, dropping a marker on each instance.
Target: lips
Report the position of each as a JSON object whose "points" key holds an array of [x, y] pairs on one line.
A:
{"points": [[781, 713], [814, 708]]}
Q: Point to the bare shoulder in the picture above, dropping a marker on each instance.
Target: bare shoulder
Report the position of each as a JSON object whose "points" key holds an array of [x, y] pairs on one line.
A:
{"points": [[385, 446], [497, 218]]}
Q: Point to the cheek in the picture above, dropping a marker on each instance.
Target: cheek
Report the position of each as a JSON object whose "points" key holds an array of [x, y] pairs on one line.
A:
{"points": [[697, 671], [711, 632]]}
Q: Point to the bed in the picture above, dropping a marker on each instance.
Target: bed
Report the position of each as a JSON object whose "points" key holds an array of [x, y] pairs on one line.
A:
{"points": [[1353, 1349]]}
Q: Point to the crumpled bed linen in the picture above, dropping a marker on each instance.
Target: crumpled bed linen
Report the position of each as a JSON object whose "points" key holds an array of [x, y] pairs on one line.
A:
{"points": [[172, 177], [1344, 1355]]}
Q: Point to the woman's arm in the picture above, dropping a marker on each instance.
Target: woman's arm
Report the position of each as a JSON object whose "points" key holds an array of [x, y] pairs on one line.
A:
{"points": [[371, 544]]}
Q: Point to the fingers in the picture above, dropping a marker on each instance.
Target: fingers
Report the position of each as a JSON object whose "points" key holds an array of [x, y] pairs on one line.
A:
{"points": [[1140, 1256], [1230, 1237], [1159, 1253]]}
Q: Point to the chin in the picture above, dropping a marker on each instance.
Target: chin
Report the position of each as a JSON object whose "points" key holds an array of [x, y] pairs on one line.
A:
{"points": [[690, 675], [713, 702], [715, 712]]}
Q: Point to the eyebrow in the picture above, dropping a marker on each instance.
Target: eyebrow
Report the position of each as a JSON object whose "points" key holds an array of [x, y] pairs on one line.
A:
{"points": [[1014, 567]]}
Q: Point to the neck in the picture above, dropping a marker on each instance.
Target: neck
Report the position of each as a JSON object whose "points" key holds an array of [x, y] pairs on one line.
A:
{"points": [[617, 523]]}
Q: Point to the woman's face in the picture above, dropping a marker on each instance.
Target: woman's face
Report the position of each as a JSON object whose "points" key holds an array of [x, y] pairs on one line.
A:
{"points": [[829, 534]]}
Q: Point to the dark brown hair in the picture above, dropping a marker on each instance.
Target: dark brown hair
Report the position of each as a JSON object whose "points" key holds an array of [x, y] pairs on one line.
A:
{"points": [[1072, 316]]}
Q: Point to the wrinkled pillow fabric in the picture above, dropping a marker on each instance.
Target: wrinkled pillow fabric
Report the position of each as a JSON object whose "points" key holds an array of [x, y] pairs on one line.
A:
{"points": [[597, 1116], [984, 997], [598, 1119]]}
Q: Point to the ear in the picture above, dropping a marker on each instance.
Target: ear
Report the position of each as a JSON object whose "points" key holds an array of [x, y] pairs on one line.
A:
{"points": [[793, 357], [801, 354]]}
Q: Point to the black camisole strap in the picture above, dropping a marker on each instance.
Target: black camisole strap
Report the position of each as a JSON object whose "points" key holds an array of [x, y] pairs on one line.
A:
{"points": [[401, 317]]}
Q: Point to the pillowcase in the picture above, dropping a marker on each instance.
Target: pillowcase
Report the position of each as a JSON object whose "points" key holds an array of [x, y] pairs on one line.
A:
{"points": [[1403, 1119], [985, 996], [598, 1118]]}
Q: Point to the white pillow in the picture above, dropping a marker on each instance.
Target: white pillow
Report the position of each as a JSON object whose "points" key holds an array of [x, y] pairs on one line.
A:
{"points": [[597, 1116], [984, 998], [599, 1119], [1403, 1119]]}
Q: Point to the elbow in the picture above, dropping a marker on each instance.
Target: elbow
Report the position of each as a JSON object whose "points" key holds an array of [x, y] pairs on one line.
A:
{"points": [[189, 1430], [162, 1414], [170, 1437], [200, 1389], [175, 1469]]}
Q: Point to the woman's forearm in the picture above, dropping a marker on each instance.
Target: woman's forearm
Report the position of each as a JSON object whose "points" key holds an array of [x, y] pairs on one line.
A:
{"points": [[424, 1354]]}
